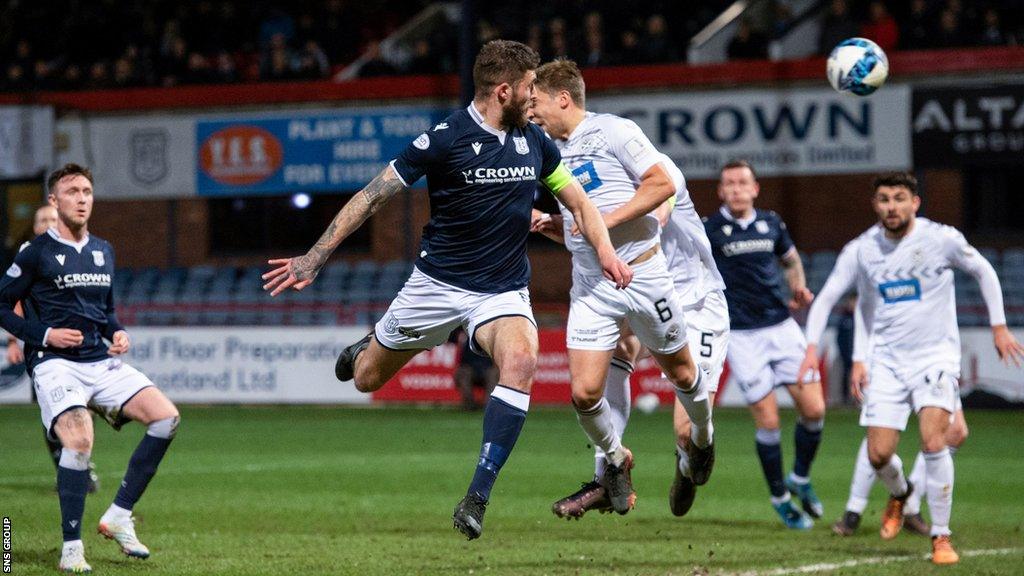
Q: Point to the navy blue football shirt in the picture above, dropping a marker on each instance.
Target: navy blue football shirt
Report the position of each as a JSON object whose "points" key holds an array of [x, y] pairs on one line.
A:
{"points": [[61, 284], [481, 183], [747, 254]]}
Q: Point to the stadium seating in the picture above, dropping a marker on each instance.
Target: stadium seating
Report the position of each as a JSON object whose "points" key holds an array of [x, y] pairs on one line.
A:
{"points": [[359, 292]]}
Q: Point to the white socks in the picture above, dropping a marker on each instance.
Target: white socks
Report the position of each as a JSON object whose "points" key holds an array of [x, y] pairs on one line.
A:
{"points": [[939, 468], [918, 478], [697, 404], [862, 481], [599, 427], [684, 461], [617, 392], [115, 512], [892, 476]]}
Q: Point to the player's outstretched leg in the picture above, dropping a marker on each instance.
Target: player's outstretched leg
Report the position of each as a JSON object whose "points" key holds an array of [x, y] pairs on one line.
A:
{"points": [[682, 491], [74, 429], [345, 367], [512, 343], [860, 489], [692, 390], [592, 495], [588, 372], [152, 409]]}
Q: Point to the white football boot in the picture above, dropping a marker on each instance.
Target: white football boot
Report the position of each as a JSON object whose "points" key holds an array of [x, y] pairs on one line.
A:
{"points": [[122, 530], [72, 558]]}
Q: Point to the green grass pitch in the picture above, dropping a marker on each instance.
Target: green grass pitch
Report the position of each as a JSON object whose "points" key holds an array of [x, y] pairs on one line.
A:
{"points": [[311, 490]]}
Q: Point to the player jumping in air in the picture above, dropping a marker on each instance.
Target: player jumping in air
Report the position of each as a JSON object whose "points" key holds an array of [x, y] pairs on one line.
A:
{"points": [[63, 278], [902, 270], [766, 345], [482, 165], [627, 178]]}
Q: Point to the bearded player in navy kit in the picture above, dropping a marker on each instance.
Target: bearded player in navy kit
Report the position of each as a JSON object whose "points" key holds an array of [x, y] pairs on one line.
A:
{"points": [[482, 165], [63, 278], [767, 346]]}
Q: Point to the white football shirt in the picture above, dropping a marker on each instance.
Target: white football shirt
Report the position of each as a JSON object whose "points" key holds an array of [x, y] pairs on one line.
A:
{"points": [[688, 250], [906, 286], [609, 155]]}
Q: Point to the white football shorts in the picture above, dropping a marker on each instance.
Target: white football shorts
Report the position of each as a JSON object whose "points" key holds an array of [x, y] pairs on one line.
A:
{"points": [[707, 329], [763, 359], [649, 304], [426, 311], [893, 392], [104, 386]]}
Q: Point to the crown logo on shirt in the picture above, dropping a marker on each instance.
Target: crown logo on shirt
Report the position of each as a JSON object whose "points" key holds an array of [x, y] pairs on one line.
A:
{"points": [[60, 258]]}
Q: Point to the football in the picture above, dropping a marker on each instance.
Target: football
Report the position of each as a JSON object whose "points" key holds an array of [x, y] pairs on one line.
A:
{"points": [[647, 402], [857, 66]]}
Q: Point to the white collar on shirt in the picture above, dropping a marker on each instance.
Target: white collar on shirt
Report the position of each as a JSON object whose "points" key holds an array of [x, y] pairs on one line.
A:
{"points": [[76, 245], [744, 222], [475, 114]]}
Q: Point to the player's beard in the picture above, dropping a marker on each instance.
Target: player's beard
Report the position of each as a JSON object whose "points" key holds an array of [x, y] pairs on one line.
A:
{"points": [[898, 229], [514, 114]]}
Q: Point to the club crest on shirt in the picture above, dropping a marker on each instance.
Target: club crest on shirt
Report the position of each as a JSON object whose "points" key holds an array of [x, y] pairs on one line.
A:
{"points": [[761, 226], [521, 145], [97, 257]]}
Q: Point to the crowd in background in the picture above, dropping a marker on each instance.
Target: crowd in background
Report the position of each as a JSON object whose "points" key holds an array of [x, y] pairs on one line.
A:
{"points": [[75, 44]]}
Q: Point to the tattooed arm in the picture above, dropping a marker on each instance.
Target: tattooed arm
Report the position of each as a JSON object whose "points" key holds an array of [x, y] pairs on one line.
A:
{"points": [[299, 272]]}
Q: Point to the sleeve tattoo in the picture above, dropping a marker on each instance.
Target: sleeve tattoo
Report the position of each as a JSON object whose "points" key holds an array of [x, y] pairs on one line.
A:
{"points": [[364, 204]]}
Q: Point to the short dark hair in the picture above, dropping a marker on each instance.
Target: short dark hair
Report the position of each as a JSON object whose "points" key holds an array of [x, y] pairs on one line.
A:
{"points": [[563, 74], [894, 179], [502, 61], [739, 163], [69, 169]]}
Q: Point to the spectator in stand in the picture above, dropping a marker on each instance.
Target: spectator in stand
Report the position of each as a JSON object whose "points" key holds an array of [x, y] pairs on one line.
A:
{"points": [[99, 75], [558, 43], [43, 75], [423, 61], [747, 44], [124, 73], [594, 52], [917, 32], [72, 77], [535, 37], [224, 69], [312, 62], [837, 26], [881, 26], [950, 33], [629, 51], [657, 46], [992, 33], [277, 59], [15, 80], [174, 65], [375, 64]]}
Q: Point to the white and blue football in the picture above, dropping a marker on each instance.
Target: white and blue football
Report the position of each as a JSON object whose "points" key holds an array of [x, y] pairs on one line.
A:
{"points": [[858, 66]]}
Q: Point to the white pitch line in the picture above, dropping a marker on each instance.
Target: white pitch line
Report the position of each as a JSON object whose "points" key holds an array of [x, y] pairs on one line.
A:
{"points": [[832, 566]]}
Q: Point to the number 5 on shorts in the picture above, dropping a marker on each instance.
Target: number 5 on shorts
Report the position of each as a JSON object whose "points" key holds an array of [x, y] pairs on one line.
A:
{"points": [[705, 344]]}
